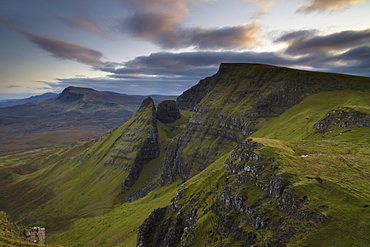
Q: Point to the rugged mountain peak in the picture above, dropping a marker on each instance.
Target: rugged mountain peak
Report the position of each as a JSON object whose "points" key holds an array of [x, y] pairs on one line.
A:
{"points": [[168, 112], [137, 144], [147, 103]]}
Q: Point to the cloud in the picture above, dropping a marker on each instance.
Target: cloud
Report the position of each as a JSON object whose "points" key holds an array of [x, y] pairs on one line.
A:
{"points": [[325, 5], [160, 21], [85, 25], [305, 41], [173, 73], [266, 5], [341, 52], [65, 50], [13, 86]]}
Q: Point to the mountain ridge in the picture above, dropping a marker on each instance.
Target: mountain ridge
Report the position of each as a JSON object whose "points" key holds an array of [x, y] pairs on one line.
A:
{"points": [[76, 114]]}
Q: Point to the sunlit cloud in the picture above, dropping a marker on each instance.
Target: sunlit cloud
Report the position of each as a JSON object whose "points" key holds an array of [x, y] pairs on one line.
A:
{"points": [[65, 50], [160, 22], [85, 25], [325, 5], [265, 6]]}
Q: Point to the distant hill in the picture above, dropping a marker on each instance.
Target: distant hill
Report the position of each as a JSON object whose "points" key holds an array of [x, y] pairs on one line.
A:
{"points": [[32, 99], [75, 114]]}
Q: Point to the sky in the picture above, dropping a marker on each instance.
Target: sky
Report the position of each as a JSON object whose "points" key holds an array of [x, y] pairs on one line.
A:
{"points": [[146, 47]]}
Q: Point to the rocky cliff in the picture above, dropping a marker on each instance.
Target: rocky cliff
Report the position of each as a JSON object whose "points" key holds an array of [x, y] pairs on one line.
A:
{"points": [[233, 104], [234, 207]]}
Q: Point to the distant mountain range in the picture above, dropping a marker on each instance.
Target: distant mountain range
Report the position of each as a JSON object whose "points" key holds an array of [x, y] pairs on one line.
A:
{"points": [[32, 99], [75, 114], [255, 155]]}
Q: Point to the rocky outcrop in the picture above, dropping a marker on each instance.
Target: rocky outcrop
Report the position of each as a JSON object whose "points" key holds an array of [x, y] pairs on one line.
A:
{"points": [[138, 143], [251, 197], [342, 119], [167, 111]]}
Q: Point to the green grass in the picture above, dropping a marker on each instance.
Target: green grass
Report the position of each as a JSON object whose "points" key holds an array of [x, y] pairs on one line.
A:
{"points": [[117, 227], [340, 160], [297, 122]]}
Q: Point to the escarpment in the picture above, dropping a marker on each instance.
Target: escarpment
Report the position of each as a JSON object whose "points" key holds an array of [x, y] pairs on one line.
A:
{"points": [[232, 104]]}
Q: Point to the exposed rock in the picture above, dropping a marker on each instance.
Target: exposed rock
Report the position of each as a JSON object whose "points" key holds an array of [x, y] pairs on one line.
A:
{"points": [[342, 119], [253, 193], [35, 234], [146, 232], [168, 112]]}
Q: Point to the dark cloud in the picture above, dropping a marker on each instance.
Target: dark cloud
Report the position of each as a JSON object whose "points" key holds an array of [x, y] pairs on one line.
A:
{"points": [[325, 5], [305, 42], [133, 86], [160, 21], [85, 25], [296, 35], [13, 86], [190, 66], [65, 50]]}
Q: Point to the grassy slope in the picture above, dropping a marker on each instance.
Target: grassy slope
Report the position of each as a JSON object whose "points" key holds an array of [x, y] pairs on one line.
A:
{"points": [[341, 161], [118, 227], [76, 182]]}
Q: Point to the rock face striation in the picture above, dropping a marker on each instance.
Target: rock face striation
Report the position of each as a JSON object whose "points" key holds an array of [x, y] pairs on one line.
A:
{"points": [[138, 143]]}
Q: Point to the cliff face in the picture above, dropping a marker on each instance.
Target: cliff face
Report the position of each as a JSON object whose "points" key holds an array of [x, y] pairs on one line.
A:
{"points": [[251, 199], [233, 103], [233, 207]]}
